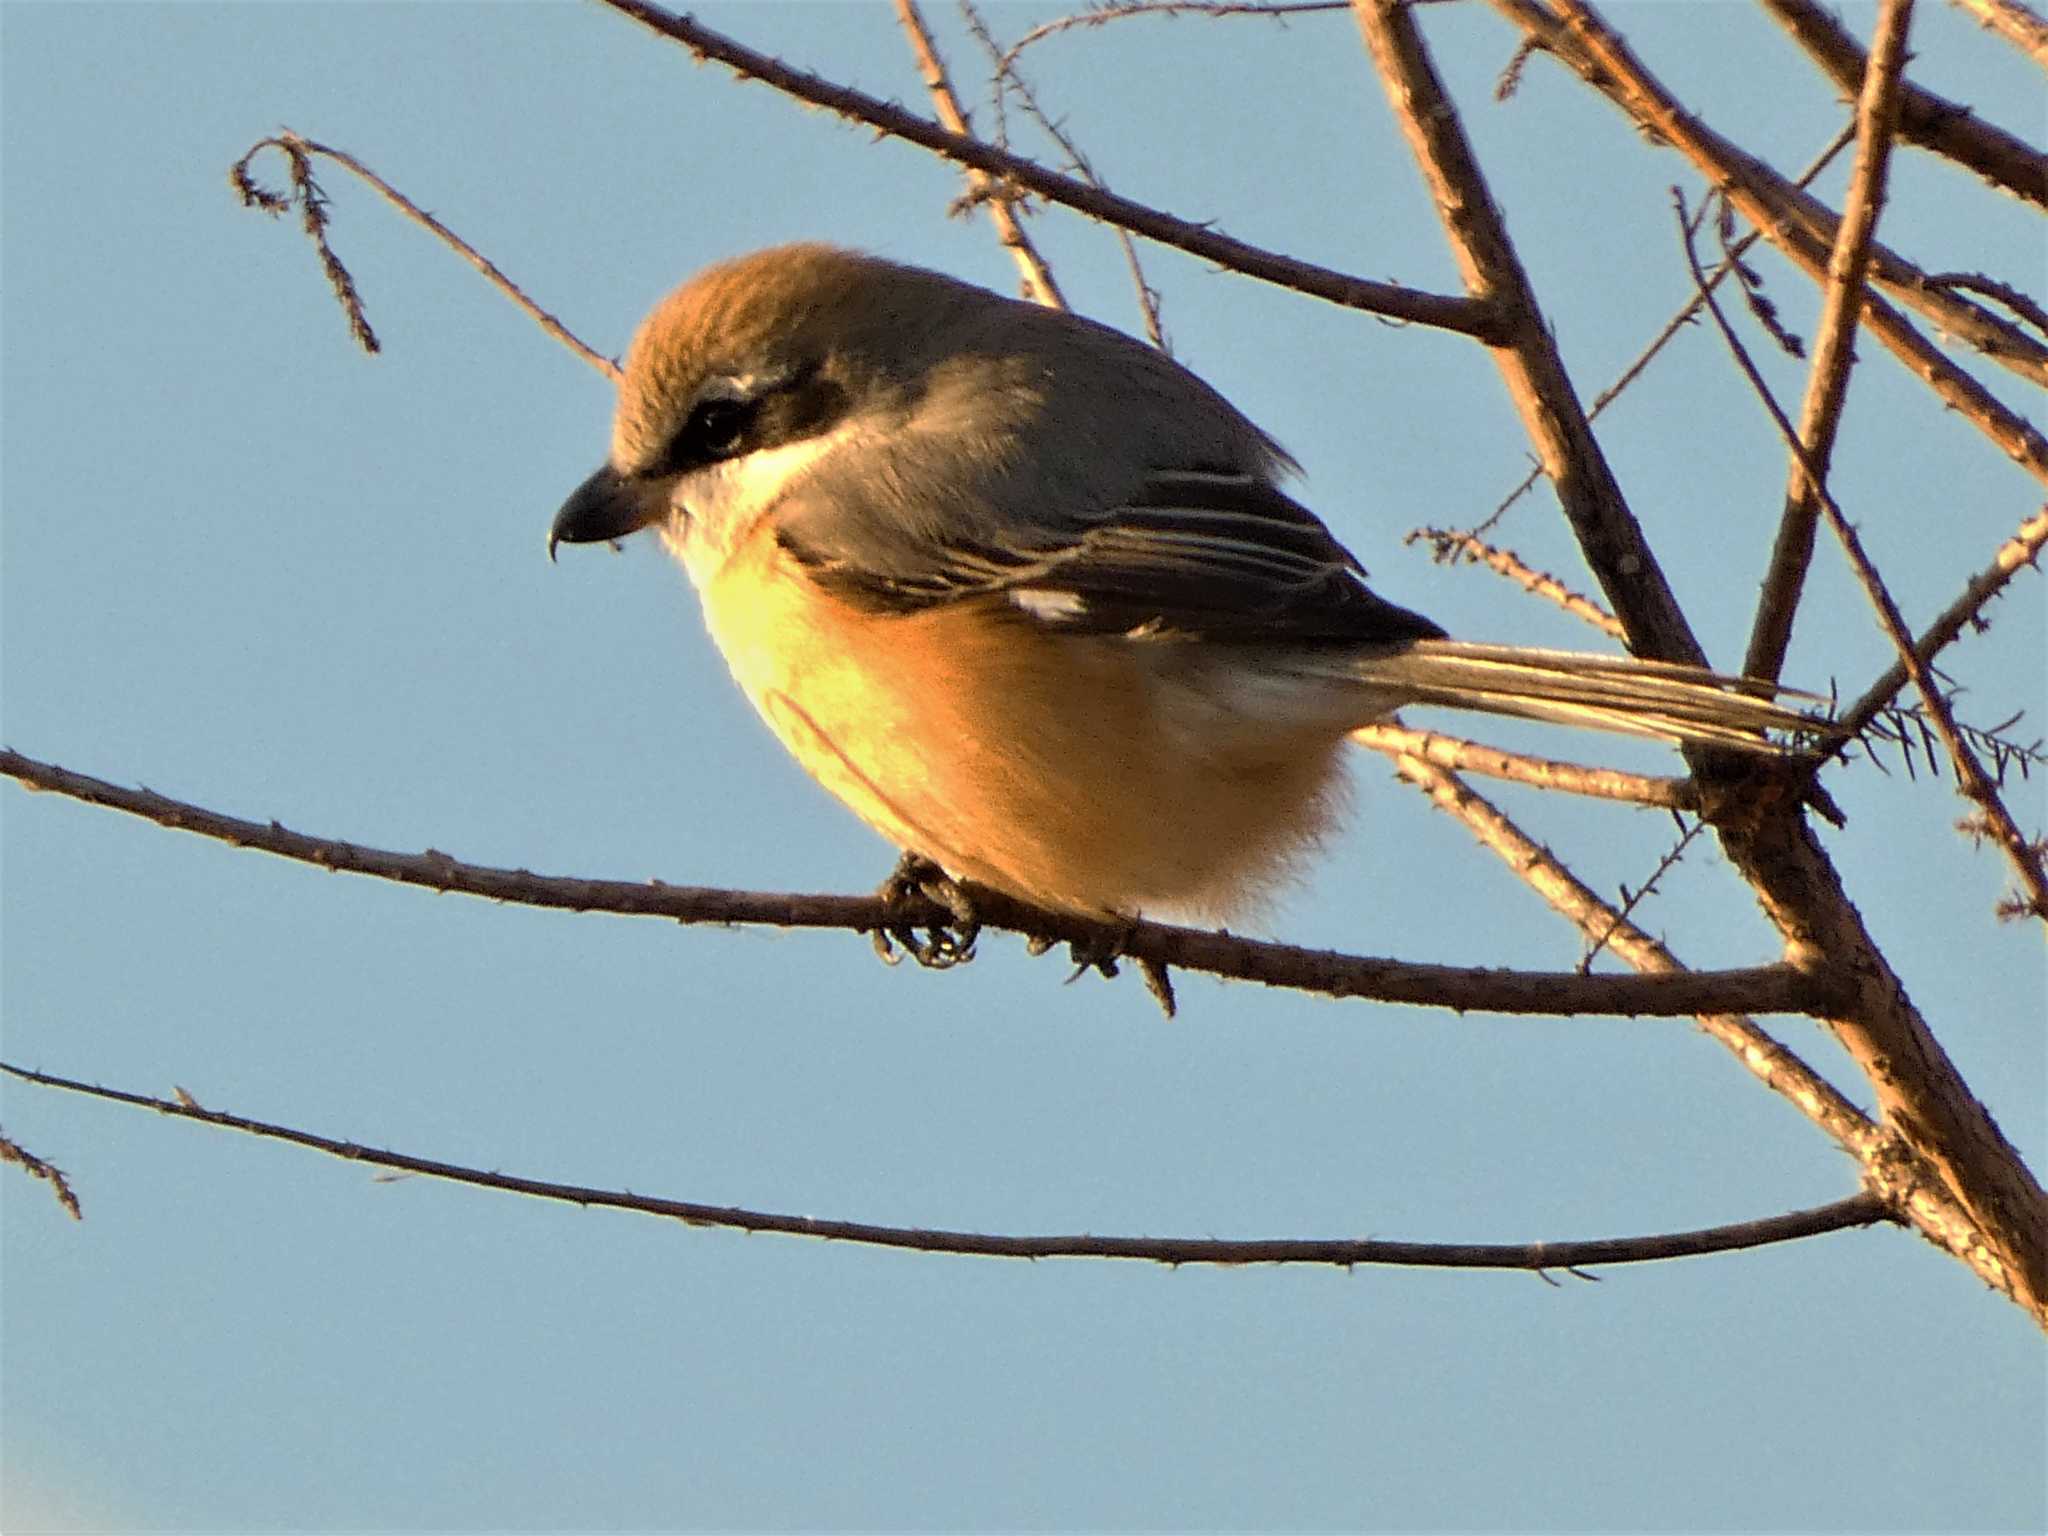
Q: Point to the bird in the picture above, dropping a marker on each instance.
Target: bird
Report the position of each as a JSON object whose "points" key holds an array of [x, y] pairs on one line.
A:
{"points": [[1030, 597]]}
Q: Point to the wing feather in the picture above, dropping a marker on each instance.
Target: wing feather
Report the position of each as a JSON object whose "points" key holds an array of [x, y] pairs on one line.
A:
{"points": [[1220, 555]]}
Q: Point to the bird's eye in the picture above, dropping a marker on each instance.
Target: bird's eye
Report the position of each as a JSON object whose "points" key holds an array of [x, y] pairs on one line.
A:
{"points": [[717, 426]]}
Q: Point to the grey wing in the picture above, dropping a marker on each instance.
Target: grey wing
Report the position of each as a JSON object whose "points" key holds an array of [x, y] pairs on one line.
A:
{"points": [[1217, 554]]}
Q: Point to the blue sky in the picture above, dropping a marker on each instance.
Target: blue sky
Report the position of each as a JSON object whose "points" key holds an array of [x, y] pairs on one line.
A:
{"points": [[245, 565]]}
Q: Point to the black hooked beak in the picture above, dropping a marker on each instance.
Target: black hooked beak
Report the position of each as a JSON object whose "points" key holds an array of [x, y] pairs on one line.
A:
{"points": [[607, 506]]}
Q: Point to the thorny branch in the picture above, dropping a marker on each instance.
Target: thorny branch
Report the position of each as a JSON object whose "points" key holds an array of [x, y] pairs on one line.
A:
{"points": [[1003, 205], [1971, 780], [1945, 127], [1990, 1210], [1470, 317], [1859, 1210], [1793, 222], [1450, 546], [1682, 318], [1762, 989], [1828, 381], [1889, 1164], [299, 151], [1008, 81]]}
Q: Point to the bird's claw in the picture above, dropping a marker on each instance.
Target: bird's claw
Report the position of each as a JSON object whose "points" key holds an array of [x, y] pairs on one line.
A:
{"points": [[943, 945]]}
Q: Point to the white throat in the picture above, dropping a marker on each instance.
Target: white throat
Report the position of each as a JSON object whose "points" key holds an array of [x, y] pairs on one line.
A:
{"points": [[712, 510]]}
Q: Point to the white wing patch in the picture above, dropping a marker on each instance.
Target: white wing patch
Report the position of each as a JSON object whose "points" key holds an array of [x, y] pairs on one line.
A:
{"points": [[1050, 605]]}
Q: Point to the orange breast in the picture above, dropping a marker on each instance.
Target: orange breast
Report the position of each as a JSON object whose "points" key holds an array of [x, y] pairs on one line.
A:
{"points": [[1093, 774]]}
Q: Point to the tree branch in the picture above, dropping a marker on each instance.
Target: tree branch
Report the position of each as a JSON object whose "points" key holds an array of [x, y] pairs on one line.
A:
{"points": [[1972, 782], [1039, 284], [1452, 546], [1797, 222], [1761, 989], [1682, 318], [2023, 549], [1933, 122], [1461, 756], [1827, 388], [2014, 22], [298, 150], [1468, 317], [1859, 1210], [1776, 209], [1911, 1182], [1614, 543]]}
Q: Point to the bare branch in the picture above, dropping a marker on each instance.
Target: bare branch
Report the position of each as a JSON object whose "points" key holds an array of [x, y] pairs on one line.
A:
{"points": [[1791, 220], [1039, 284], [1461, 756], [1971, 780], [1933, 122], [1827, 386], [1614, 543], [313, 219], [1125, 10], [1451, 546], [1470, 317], [1911, 1182], [1678, 322], [1624, 915], [298, 149], [1795, 221], [2030, 312], [1761, 989], [1008, 79], [2023, 549], [1859, 1210], [2014, 22]]}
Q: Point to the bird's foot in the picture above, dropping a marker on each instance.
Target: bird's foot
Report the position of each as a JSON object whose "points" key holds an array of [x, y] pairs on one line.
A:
{"points": [[1100, 953], [944, 945]]}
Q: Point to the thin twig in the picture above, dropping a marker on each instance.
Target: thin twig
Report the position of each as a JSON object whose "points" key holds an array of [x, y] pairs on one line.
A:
{"points": [[1613, 541], [1123, 10], [1760, 989], [1631, 899], [2014, 22], [298, 148], [1827, 388], [1678, 322], [1795, 221], [1972, 782], [1890, 1165], [1039, 284], [313, 218], [1932, 122], [1470, 317], [1859, 1210], [1008, 80], [1780, 212], [1452, 546], [2023, 549], [1461, 756]]}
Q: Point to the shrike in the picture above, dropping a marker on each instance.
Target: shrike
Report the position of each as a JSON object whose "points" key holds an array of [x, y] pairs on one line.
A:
{"points": [[1026, 595]]}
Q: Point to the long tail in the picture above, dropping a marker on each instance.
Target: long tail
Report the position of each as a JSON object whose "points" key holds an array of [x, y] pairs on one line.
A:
{"points": [[1662, 699]]}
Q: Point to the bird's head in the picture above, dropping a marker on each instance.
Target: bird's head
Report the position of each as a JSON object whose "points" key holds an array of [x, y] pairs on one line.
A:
{"points": [[747, 373]]}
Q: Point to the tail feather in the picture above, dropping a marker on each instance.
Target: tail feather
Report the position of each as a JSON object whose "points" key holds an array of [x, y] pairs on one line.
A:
{"points": [[1667, 700]]}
